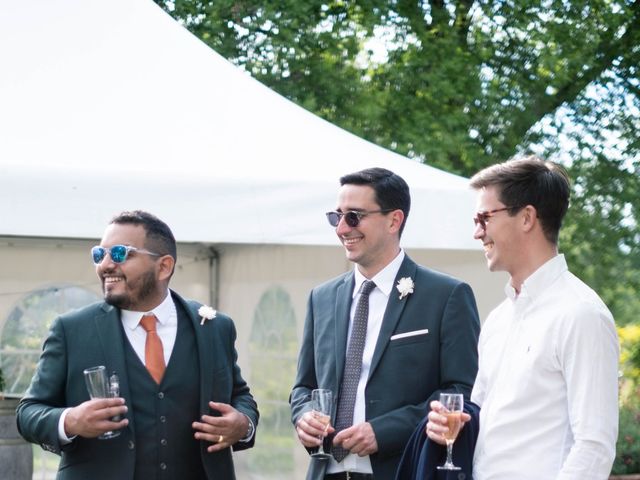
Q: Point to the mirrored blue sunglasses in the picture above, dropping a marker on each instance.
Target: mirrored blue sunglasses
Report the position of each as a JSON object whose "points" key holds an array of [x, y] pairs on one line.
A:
{"points": [[118, 253]]}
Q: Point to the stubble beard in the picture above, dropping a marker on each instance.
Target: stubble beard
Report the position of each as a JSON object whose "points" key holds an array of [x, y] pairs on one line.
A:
{"points": [[128, 300]]}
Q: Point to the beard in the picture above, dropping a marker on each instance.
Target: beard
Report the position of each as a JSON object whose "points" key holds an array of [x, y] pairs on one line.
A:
{"points": [[133, 294]]}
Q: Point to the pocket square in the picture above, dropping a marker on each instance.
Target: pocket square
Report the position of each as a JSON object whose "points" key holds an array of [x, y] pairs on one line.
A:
{"points": [[409, 334]]}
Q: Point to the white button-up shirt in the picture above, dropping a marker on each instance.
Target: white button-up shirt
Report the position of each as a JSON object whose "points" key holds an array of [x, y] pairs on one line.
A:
{"points": [[547, 382], [378, 299]]}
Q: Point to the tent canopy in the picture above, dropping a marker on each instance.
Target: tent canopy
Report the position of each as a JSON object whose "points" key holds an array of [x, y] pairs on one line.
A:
{"points": [[108, 105]]}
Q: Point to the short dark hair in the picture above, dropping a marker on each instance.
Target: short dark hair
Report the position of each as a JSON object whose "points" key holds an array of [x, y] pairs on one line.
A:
{"points": [[159, 239], [532, 181], [391, 191]]}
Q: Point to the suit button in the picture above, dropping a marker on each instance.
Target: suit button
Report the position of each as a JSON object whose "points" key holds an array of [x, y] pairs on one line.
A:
{"points": [[163, 419], [163, 466], [163, 442], [131, 445], [161, 395]]}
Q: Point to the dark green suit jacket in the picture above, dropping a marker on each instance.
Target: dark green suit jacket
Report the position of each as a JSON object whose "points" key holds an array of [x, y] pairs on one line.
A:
{"points": [[93, 336], [407, 372]]}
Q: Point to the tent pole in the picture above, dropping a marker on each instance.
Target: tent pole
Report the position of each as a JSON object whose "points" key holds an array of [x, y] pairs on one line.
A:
{"points": [[214, 276]]}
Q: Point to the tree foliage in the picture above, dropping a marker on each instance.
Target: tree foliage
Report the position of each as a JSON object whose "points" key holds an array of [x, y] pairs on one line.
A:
{"points": [[464, 84]]}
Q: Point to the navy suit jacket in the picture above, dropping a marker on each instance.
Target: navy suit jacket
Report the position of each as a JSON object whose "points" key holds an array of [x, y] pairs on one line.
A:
{"points": [[406, 373], [422, 456], [93, 336]]}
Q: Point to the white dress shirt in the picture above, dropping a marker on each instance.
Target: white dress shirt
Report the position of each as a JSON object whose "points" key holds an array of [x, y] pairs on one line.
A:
{"points": [[547, 382], [378, 299]]}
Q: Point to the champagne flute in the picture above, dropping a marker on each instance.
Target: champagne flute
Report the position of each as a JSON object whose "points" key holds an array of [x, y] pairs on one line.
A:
{"points": [[453, 404], [322, 401], [97, 386]]}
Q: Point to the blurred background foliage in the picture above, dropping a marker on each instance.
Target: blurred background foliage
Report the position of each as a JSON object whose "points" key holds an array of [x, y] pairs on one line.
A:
{"points": [[460, 85], [628, 446]]}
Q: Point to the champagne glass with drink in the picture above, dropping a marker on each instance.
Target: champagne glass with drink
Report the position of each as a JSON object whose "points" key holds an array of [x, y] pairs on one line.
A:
{"points": [[99, 387], [453, 404], [322, 401]]}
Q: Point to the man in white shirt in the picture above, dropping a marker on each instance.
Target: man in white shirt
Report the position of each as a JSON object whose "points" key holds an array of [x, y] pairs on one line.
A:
{"points": [[417, 337], [182, 405], [547, 380]]}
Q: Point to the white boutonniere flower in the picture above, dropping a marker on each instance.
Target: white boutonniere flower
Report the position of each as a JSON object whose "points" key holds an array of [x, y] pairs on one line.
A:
{"points": [[207, 313], [405, 286]]}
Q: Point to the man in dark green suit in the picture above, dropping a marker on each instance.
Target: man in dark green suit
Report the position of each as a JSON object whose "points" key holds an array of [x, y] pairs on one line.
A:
{"points": [[421, 333], [183, 403]]}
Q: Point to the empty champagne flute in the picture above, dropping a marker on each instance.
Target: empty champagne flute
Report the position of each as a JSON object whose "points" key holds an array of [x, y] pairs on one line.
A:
{"points": [[98, 387], [453, 404], [321, 403]]}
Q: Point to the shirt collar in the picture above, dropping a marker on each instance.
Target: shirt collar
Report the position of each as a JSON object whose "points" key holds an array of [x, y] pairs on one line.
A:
{"points": [[539, 280], [163, 312], [384, 278]]}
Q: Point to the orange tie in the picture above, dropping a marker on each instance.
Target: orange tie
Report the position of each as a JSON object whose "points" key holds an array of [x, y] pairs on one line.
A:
{"points": [[153, 353]]}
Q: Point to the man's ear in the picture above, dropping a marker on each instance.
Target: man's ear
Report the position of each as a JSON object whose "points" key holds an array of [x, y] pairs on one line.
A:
{"points": [[397, 217], [166, 264], [529, 218]]}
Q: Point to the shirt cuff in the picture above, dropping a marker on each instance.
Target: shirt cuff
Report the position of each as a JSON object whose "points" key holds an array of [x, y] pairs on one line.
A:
{"points": [[250, 432], [62, 435]]}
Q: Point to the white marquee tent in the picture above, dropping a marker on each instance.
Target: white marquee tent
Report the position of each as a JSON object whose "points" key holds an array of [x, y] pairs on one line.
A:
{"points": [[107, 105], [115, 98]]}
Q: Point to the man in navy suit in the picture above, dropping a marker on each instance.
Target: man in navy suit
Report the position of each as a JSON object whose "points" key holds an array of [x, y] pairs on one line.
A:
{"points": [[420, 335], [183, 402]]}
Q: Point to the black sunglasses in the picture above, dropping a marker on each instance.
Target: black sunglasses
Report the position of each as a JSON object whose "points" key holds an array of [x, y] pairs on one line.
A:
{"points": [[482, 217], [352, 217], [118, 253]]}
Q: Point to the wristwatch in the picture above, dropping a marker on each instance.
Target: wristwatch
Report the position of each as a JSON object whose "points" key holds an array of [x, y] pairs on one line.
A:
{"points": [[250, 430]]}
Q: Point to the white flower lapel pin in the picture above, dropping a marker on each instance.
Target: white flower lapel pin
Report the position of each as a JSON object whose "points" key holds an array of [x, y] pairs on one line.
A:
{"points": [[207, 313], [405, 287]]}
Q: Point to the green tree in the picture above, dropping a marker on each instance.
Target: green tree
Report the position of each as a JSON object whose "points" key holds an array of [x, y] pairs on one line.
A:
{"points": [[463, 84]]}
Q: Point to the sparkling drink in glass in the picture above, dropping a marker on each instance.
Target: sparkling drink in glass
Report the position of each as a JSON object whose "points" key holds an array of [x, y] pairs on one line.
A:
{"points": [[322, 402], [453, 404]]}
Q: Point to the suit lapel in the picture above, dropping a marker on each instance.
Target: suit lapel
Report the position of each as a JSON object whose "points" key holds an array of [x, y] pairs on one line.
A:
{"points": [[392, 313], [206, 352], [112, 339], [344, 297]]}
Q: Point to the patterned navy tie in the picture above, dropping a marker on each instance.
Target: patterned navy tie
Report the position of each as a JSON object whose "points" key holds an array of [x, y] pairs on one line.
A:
{"points": [[352, 366]]}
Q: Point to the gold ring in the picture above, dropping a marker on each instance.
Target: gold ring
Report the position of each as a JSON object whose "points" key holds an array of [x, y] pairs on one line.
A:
{"points": [[221, 439]]}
